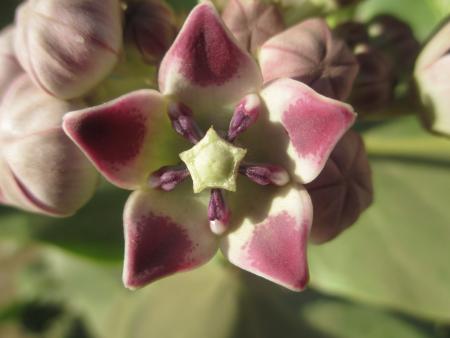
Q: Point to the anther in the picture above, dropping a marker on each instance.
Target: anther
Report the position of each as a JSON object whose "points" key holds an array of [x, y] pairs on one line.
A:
{"points": [[218, 212], [184, 124], [245, 114], [265, 174], [168, 177]]}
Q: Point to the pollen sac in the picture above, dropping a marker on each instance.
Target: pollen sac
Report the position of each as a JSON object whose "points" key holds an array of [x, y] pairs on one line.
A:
{"points": [[41, 170], [213, 163], [433, 81], [150, 26], [308, 52], [9, 66], [374, 86], [252, 22], [68, 47], [342, 191]]}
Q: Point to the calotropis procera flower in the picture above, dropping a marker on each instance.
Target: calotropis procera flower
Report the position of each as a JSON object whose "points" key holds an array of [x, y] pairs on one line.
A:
{"points": [[433, 81], [308, 52], [252, 22], [67, 47], [40, 168], [247, 163]]}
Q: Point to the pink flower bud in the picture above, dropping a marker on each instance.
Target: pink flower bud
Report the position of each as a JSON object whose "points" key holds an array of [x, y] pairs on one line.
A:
{"points": [[433, 81], [374, 86], [308, 52], [252, 22], [68, 47], [41, 170], [9, 66], [150, 26], [342, 191]]}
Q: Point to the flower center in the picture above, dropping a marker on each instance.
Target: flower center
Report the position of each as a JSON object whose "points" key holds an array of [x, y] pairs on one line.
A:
{"points": [[214, 162]]}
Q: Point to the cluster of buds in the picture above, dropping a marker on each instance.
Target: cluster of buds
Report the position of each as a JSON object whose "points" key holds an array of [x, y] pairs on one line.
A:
{"points": [[386, 50]]}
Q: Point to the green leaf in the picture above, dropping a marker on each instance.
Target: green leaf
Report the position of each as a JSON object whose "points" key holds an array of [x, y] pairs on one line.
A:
{"points": [[423, 15], [397, 255], [216, 300]]}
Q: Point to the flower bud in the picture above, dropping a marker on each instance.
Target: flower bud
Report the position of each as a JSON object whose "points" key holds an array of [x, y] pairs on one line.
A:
{"points": [[342, 191], [433, 81], [396, 40], [353, 33], [68, 47], [374, 86], [308, 52], [9, 66], [41, 170], [150, 26], [252, 22]]}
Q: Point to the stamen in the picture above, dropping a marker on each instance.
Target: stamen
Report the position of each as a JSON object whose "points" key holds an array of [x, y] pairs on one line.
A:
{"points": [[183, 122], [265, 174], [218, 212], [168, 177], [245, 114]]}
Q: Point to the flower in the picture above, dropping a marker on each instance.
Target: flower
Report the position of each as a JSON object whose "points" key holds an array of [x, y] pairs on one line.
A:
{"points": [[432, 80], [207, 81], [68, 47], [40, 169]]}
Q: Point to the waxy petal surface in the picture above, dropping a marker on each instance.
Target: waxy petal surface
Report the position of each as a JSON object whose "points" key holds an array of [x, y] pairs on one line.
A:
{"points": [[314, 124], [205, 68], [165, 233], [308, 52], [127, 138], [270, 236]]}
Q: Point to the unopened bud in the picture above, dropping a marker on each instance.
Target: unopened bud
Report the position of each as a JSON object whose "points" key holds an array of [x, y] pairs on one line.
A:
{"points": [[252, 22], [342, 191], [9, 66], [308, 52], [150, 26], [68, 47], [374, 86], [41, 170], [433, 81]]}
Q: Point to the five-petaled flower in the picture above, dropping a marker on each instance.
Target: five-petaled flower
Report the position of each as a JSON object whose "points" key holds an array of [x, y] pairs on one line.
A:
{"points": [[278, 135]]}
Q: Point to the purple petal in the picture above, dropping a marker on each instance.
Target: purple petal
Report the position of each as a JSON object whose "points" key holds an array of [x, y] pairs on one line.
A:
{"points": [[314, 123], [205, 68], [165, 233], [275, 247]]}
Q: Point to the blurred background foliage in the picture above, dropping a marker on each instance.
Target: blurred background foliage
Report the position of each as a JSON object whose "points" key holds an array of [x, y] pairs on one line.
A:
{"points": [[387, 276]]}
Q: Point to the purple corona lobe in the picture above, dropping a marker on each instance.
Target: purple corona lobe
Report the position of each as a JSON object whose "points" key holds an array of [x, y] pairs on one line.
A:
{"points": [[209, 56], [313, 125], [276, 250], [158, 247], [113, 136]]}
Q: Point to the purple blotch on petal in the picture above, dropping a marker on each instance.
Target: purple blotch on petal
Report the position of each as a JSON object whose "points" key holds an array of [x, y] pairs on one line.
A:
{"points": [[157, 247]]}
